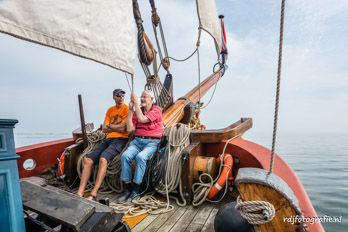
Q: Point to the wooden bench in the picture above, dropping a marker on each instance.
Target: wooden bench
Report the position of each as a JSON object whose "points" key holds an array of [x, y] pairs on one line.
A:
{"points": [[68, 209]]}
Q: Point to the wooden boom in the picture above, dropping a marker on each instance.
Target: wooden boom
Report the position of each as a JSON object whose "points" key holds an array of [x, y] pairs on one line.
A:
{"points": [[176, 111]]}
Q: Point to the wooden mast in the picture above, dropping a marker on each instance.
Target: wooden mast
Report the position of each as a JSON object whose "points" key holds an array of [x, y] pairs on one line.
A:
{"points": [[176, 111]]}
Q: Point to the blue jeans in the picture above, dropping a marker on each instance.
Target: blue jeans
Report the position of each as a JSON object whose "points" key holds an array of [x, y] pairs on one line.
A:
{"points": [[139, 150]]}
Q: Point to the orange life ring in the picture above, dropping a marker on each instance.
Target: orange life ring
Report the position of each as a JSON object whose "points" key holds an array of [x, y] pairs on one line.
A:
{"points": [[220, 183], [61, 163], [218, 162]]}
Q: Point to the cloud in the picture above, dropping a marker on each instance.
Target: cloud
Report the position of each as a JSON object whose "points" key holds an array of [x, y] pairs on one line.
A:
{"points": [[39, 85]]}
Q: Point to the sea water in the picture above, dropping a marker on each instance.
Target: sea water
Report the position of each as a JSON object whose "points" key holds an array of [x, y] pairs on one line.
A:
{"points": [[321, 163], [319, 160]]}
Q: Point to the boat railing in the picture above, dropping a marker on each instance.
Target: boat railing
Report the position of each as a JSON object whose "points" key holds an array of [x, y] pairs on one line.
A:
{"points": [[213, 136]]}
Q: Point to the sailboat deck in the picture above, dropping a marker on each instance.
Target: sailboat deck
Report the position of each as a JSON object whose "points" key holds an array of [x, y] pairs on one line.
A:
{"points": [[187, 218]]}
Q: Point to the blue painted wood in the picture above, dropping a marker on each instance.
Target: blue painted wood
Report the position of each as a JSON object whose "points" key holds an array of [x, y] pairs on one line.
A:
{"points": [[11, 209]]}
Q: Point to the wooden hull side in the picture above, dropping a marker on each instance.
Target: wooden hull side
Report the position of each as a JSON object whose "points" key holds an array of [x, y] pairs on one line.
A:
{"points": [[254, 155], [44, 154], [249, 154]]}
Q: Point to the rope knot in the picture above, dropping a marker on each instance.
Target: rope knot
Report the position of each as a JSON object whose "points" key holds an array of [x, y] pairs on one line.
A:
{"points": [[155, 18], [255, 212]]}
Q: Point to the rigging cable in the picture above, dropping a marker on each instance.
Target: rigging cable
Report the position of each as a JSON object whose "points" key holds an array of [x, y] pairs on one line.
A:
{"points": [[260, 212], [275, 123], [194, 52]]}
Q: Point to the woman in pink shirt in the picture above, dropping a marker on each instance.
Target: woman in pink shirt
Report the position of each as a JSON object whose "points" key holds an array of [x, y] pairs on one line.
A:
{"points": [[147, 124]]}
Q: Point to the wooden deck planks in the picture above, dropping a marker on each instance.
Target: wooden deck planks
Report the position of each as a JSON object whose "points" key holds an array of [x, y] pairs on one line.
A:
{"points": [[180, 219], [209, 224], [201, 217], [185, 220], [173, 219], [160, 220], [144, 223]]}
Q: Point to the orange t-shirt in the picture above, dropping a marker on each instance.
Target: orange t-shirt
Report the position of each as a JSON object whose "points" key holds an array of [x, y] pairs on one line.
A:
{"points": [[116, 115]]}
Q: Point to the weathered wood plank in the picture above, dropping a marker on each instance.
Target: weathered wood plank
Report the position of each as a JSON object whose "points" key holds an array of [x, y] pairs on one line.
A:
{"points": [[194, 227], [185, 220], [209, 224], [201, 217], [160, 220], [53, 204], [189, 155], [214, 136], [144, 223], [173, 219], [98, 207]]}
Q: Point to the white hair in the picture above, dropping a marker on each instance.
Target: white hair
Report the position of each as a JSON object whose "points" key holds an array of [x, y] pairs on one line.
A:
{"points": [[149, 93]]}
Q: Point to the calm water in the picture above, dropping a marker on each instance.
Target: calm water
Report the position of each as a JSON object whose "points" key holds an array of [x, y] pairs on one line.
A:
{"points": [[320, 161]]}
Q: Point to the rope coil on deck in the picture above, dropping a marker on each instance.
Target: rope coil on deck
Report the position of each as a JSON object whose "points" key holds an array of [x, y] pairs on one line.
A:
{"points": [[111, 182], [178, 139], [255, 212], [146, 204]]}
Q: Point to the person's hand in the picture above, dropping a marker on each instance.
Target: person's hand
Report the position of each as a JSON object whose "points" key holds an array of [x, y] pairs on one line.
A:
{"points": [[131, 106], [106, 129], [134, 98]]}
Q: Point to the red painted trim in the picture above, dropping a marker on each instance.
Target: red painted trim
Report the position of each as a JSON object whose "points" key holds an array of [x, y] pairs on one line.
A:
{"points": [[250, 155], [44, 154], [253, 155]]}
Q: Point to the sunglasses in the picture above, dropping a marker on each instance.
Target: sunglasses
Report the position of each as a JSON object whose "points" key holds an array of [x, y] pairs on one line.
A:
{"points": [[119, 95]]}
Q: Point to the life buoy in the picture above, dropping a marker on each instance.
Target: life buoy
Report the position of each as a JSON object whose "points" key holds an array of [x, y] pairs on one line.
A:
{"points": [[218, 162], [220, 183], [61, 163]]}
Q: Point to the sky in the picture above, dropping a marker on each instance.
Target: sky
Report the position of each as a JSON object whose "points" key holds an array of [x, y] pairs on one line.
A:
{"points": [[39, 85]]}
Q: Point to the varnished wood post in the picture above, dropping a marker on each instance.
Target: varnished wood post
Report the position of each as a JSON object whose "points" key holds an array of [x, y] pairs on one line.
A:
{"points": [[82, 118]]}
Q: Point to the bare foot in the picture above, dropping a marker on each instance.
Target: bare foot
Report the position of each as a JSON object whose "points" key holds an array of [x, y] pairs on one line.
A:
{"points": [[79, 194], [92, 198]]}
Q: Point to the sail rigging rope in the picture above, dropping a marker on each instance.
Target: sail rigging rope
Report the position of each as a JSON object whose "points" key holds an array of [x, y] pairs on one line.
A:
{"points": [[184, 59], [275, 122], [199, 77]]}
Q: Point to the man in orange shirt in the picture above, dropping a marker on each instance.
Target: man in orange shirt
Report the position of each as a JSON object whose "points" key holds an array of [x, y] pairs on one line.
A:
{"points": [[116, 138]]}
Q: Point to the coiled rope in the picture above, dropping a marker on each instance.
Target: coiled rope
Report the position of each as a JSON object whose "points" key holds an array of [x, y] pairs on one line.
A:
{"points": [[178, 139], [146, 204], [255, 212], [201, 189], [112, 181], [260, 212]]}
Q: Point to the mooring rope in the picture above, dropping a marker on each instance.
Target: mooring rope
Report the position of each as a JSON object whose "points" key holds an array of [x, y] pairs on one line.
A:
{"points": [[255, 212], [260, 212]]}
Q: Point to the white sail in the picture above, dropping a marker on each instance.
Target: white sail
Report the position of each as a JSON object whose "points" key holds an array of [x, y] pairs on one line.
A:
{"points": [[99, 30], [208, 20]]}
